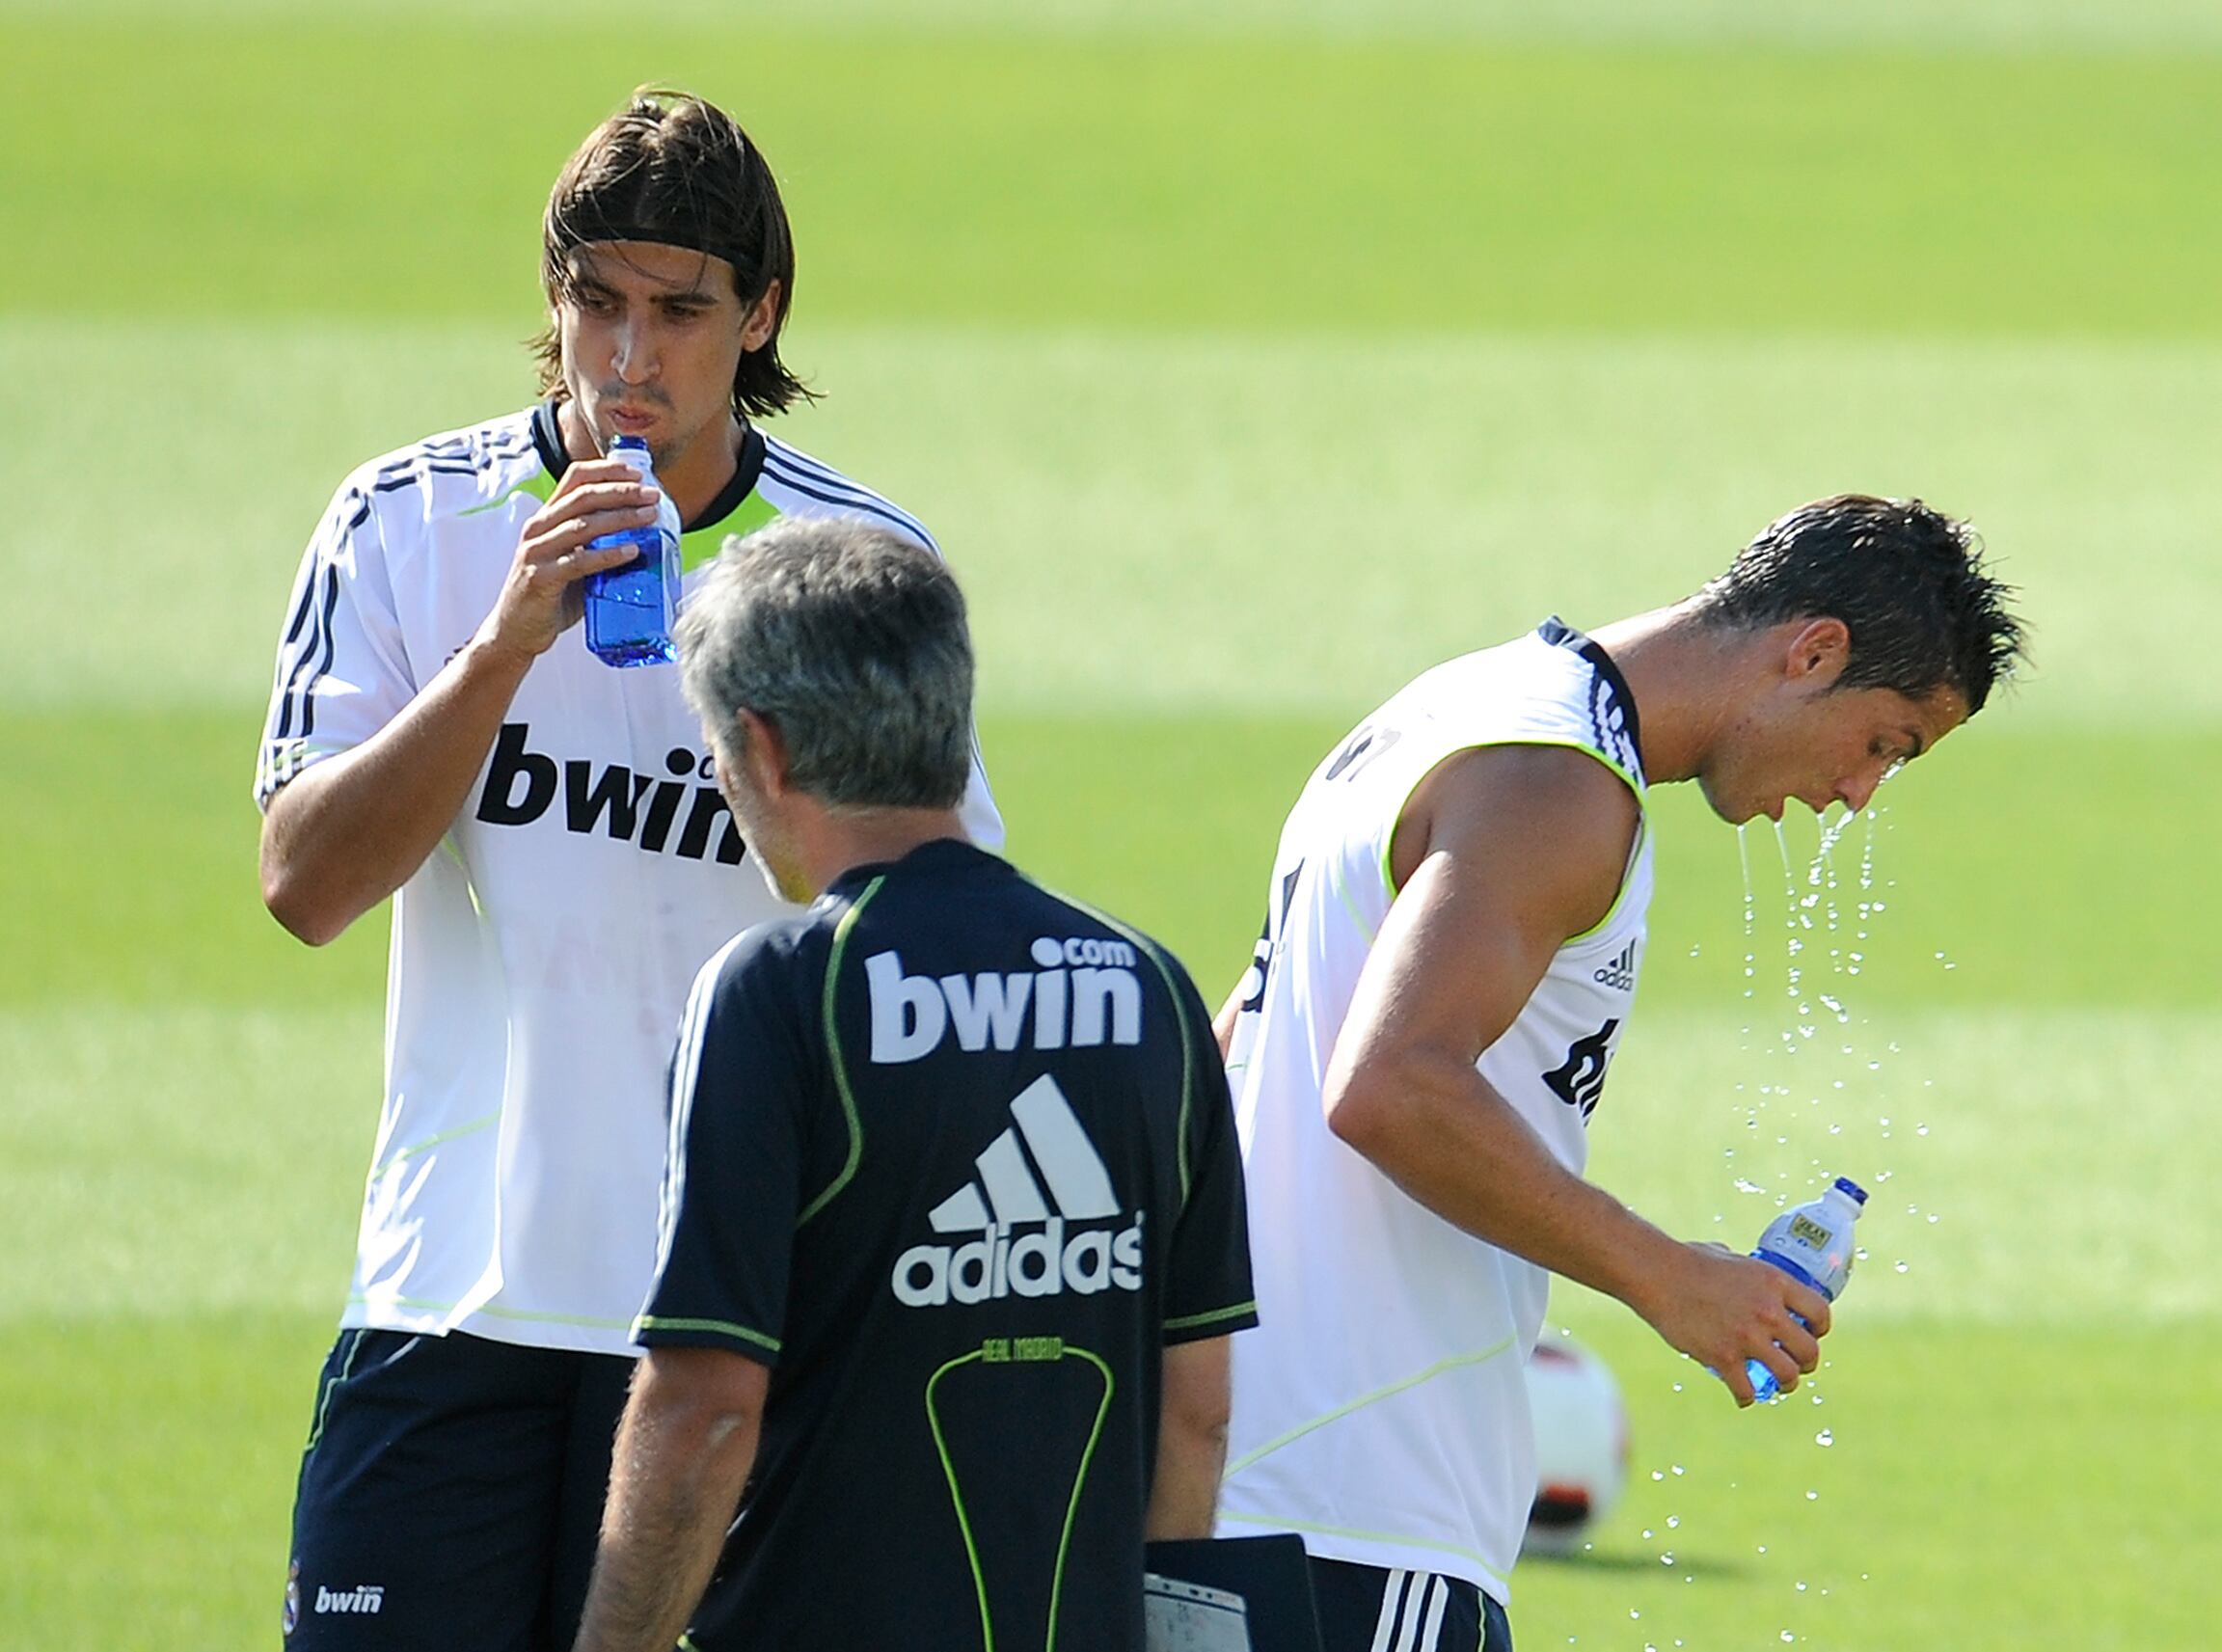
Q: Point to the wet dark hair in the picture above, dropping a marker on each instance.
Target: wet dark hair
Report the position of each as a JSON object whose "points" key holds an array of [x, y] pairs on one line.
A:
{"points": [[673, 169], [1909, 582]]}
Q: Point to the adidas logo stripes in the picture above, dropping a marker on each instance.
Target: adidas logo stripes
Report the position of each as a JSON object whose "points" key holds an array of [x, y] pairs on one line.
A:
{"points": [[1043, 1170], [1620, 973]]}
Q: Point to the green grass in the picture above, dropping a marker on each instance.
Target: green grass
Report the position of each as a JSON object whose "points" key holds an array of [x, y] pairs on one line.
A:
{"points": [[1946, 1514], [2006, 25], [269, 167], [1244, 362]]}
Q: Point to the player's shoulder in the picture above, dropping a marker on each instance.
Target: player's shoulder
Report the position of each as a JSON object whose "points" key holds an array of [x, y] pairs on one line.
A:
{"points": [[1530, 667], [972, 902], [765, 958], [1552, 685], [451, 472], [797, 484], [1076, 934]]}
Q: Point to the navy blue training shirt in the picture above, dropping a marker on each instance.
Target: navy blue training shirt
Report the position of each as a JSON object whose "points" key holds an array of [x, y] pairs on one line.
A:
{"points": [[955, 1158]]}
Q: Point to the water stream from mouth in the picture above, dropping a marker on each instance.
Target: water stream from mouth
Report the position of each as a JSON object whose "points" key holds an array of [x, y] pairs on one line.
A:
{"points": [[1817, 1074]]}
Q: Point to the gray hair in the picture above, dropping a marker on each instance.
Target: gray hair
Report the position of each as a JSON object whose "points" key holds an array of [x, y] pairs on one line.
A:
{"points": [[852, 642]]}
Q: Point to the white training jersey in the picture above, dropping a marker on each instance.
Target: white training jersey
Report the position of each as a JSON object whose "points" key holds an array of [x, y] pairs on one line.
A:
{"points": [[1380, 1409], [541, 956]]}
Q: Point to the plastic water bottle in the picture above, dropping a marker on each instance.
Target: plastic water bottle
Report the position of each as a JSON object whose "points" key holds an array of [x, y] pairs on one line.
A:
{"points": [[630, 608], [1811, 1243]]}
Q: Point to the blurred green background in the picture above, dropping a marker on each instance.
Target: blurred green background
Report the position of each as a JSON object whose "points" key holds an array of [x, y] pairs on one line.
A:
{"points": [[1246, 357]]}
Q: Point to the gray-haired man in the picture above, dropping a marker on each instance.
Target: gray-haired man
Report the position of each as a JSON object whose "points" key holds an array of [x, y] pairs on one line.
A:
{"points": [[953, 1230]]}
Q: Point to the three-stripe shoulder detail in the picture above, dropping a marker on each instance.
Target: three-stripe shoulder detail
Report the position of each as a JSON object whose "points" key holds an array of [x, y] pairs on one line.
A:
{"points": [[786, 467]]}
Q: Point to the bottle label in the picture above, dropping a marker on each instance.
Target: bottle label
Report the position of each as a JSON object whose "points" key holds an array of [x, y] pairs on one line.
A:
{"points": [[1807, 1231]]}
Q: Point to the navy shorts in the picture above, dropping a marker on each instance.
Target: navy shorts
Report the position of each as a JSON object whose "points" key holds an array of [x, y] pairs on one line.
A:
{"points": [[450, 1494], [1366, 1608]]}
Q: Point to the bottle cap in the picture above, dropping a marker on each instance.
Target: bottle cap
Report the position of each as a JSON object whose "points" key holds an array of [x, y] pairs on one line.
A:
{"points": [[638, 444], [1845, 1184]]}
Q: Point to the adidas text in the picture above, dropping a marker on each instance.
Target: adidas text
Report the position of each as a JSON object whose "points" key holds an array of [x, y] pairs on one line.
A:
{"points": [[1098, 1002], [640, 809], [363, 1597], [1041, 1263], [1042, 1174]]}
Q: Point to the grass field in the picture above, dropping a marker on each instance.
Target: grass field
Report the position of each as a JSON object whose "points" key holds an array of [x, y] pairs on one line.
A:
{"points": [[1245, 359]]}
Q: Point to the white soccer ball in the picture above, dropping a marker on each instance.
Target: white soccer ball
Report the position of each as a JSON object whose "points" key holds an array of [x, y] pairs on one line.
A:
{"points": [[1580, 1443]]}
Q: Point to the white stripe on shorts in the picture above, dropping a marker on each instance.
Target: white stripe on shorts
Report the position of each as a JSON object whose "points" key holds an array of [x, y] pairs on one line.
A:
{"points": [[1431, 1636], [1392, 1600], [1415, 1608]]}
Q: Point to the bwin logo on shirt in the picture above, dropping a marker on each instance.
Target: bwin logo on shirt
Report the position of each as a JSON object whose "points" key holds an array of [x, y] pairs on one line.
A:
{"points": [[640, 809], [1057, 1258], [1581, 1080], [1099, 1002], [363, 1597]]}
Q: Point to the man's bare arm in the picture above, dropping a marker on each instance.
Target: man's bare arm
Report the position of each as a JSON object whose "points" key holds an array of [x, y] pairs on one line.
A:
{"points": [[346, 833], [683, 1457], [1223, 1024], [1191, 1440], [1504, 853]]}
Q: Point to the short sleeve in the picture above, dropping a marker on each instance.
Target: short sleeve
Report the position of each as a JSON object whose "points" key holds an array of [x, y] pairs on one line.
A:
{"points": [[342, 672], [740, 1082], [1208, 1291]]}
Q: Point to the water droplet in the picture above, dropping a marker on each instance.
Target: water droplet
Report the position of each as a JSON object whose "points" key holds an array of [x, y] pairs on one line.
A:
{"points": [[1680, 1470], [1666, 1559], [1895, 1267], [1812, 1496], [1826, 1437], [1672, 1521]]}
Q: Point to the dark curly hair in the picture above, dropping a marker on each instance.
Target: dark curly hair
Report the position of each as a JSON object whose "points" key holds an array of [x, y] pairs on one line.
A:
{"points": [[1909, 582], [672, 167]]}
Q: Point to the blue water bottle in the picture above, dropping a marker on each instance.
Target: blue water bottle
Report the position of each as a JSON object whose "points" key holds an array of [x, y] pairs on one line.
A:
{"points": [[1811, 1243], [630, 608]]}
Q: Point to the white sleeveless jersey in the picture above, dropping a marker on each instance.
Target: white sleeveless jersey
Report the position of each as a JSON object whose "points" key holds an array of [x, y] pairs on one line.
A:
{"points": [[1380, 1409], [542, 955]]}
